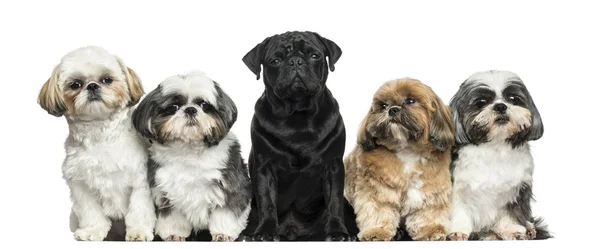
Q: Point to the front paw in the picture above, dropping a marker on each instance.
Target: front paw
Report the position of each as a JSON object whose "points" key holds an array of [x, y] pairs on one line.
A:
{"points": [[339, 236], [457, 236], [513, 236], [431, 233], [139, 234], [376, 234], [267, 231], [221, 238], [175, 238], [90, 234], [531, 232]]}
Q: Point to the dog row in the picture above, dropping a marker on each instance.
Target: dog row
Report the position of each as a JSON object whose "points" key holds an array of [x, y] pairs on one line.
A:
{"points": [[165, 166]]}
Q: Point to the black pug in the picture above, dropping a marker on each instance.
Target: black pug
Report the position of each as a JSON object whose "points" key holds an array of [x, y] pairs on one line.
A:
{"points": [[298, 141]]}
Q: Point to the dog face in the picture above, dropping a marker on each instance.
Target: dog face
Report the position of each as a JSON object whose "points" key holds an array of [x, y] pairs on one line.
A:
{"points": [[294, 63], [407, 112], [89, 83], [495, 106], [189, 108]]}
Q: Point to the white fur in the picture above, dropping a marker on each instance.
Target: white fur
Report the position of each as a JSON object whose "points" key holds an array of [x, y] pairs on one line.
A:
{"points": [[188, 176], [105, 169], [414, 195], [105, 164], [194, 85], [486, 178]]}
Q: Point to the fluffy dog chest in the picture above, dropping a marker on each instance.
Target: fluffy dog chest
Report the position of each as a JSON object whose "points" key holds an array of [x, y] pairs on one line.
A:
{"points": [[190, 179], [413, 195]]}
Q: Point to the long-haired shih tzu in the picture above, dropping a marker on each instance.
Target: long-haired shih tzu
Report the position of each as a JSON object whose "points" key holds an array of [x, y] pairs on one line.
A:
{"points": [[198, 178], [105, 164], [492, 166], [397, 175]]}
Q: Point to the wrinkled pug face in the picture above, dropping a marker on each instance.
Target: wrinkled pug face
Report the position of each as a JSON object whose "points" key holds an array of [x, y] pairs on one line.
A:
{"points": [[407, 112], [295, 65], [495, 106], [90, 84], [190, 108]]}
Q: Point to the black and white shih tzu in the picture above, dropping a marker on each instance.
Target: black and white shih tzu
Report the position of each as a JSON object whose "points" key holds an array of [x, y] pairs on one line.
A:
{"points": [[198, 178], [492, 167], [105, 163]]}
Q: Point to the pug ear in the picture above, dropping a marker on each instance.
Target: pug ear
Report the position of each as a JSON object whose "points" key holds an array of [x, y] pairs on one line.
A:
{"points": [[334, 52], [50, 97], [365, 139], [134, 84], [441, 128], [253, 58]]}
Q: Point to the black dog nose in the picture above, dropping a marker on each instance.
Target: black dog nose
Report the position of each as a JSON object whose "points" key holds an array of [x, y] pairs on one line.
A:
{"points": [[296, 61], [92, 87], [190, 111], [500, 108], [393, 111]]}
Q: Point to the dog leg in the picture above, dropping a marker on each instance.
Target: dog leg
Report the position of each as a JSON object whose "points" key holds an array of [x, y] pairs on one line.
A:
{"points": [[333, 189], [172, 225], [93, 225], [461, 223], [141, 217], [508, 228], [225, 225], [264, 186], [428, 223], [376, 221]]}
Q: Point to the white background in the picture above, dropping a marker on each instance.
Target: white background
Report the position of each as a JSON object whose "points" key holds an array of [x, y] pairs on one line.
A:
{"points": [[553, 46]]}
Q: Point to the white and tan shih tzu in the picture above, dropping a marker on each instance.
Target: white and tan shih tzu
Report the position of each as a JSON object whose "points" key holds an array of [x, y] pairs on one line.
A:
{"points": [[492, 168], [198, 178], [398, 174], [105, 164]]}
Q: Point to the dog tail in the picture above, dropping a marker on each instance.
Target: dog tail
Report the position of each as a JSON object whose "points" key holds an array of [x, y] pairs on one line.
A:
{"points": [[541, 229]]}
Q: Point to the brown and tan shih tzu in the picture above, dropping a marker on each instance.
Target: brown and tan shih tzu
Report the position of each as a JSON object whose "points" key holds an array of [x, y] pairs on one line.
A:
{"points": [[398, 173]]}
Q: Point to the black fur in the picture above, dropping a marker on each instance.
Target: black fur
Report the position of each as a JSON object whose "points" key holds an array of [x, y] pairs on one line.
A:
{"points": [[298, 141]]}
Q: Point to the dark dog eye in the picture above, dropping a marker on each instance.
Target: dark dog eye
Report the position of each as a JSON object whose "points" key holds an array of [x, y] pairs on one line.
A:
{"points": [[76, 84], [514, 100], [172, 109], [480, 102], [275, 61], [410, 101], [204, 105], [315, 56], [107, 80], [384, 105]]}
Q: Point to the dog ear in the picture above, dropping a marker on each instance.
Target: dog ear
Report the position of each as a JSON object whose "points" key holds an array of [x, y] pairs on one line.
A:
{"points": [[136, 89], [441, 128], [50, 97], [460, 134], [365, 139], [254, 57], [334, 52], [227, 108], [143, 114], [537, 126]]}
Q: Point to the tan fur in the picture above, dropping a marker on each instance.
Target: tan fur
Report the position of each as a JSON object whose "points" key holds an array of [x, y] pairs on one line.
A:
{"points": [[381, 186], [136, 90], [50, 97]]}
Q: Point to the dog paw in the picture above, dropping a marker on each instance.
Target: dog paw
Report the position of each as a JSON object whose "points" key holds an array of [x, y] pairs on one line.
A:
{"points": [[376, 234], [139, 234], [265, 237], [90, 234], [222, 238], [513, 236], [457, 236], [531, 232], [431, 233], [175, 238], [267, 231], [339, 236]]}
